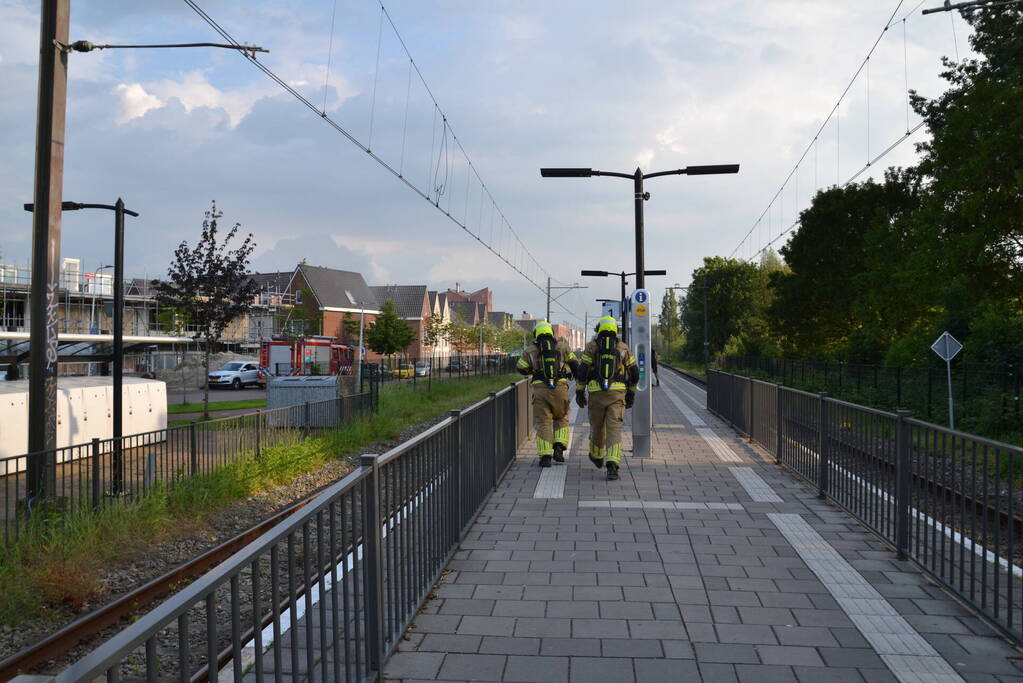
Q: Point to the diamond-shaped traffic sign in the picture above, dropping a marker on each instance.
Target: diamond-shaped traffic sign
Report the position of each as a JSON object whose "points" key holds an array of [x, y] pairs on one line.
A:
{"points": [[946, 346]]}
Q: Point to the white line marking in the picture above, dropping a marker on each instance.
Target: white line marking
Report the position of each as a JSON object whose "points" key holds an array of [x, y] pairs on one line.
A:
{"points": [[718, 445], [658, 505], [552, 479], [903, 650], [686, 411], [758, 489]]}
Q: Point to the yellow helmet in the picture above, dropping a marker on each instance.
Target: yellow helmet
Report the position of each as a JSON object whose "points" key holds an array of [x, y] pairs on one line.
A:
{"points": [[607, 324], [542, 327]]}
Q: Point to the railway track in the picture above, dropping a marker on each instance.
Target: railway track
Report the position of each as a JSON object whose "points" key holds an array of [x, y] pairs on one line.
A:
{"points": [[90, 625], [943, 498]]}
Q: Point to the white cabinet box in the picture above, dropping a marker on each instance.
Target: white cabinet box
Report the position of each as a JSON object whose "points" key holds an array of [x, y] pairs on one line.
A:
{"points": [[84, 412]]}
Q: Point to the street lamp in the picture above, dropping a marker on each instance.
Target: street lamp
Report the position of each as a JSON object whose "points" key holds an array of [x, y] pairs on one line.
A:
{"points": [[969, 6], [362, 324], [92, 313], [118, 398], [622, 275], [643, 407]]}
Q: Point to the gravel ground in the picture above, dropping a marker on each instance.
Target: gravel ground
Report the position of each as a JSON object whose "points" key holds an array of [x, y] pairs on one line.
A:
{"points": [[161, 557]]}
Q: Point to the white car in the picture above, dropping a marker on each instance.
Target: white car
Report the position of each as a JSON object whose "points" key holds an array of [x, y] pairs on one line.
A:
{"points": [[236, 374]]}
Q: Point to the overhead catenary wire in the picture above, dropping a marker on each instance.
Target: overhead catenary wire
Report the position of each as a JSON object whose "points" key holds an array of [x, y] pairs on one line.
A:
{"points": [[831, 114], [338, 127], [836, 115]]}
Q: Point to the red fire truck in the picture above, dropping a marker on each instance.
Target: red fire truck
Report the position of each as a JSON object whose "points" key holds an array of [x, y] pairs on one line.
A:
{"points": [[306, 356]]}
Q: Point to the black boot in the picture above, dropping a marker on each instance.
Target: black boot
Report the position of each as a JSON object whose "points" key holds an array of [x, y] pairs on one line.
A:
{"points": [[545, 461], [559, 452], [597, 462], [612, 471]]}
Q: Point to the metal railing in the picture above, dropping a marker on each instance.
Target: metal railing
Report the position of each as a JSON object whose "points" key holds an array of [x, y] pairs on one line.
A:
{"points": [[978, 388], [945, 499], [328, 593], [111, 471]]}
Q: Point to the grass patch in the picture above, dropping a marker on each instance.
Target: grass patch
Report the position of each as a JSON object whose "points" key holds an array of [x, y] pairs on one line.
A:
{"points": [[57, 567], [179, 408]]}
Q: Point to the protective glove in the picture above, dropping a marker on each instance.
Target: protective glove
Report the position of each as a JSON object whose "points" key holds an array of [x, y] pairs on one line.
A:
{"points": [[580, 398], [630, 398]]}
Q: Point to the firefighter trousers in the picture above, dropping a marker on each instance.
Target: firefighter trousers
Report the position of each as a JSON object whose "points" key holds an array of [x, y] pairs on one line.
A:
{"points": [[550, 417], [607, 410]]}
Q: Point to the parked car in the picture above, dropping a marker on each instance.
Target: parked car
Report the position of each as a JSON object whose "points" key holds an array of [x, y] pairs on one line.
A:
{"points": [[264, 377], [371, 370], [403, 371], [422, 368], [235, 374]]}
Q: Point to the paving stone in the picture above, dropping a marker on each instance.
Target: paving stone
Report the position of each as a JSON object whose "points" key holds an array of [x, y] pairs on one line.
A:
{"points": [[449, 642], [472, 667], [745, 633], [764, 674], [726, 653], [519, 608], [571, 647], [505, 645], [600, 628], [529, 627], [810, 636], [487, 626], [827, 675], [665, 670], [601, 670], [536, 669], [630, 647], [413, 664], [467, 607], [789, 655]]}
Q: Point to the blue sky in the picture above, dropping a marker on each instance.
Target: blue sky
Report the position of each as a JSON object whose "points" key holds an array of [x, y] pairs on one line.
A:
{"points": [[525, 84]]}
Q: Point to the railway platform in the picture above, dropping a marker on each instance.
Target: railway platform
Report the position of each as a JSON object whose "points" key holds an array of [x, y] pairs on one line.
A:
{"points": [[703, 562]]}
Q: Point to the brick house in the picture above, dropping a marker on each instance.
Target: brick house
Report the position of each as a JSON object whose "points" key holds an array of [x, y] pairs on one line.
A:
{"points": [[412, 303], [338, 296]]}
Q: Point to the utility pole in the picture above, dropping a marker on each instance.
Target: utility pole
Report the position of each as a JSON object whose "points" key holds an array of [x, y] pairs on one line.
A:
{"points": [[49, 179]]}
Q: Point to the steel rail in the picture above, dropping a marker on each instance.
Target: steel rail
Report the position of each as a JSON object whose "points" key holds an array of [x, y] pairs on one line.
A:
{"points": [[61, 641]]}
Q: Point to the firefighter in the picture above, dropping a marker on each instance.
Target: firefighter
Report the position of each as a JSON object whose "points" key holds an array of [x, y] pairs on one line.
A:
{"points": [[608, 371], [551, 364]]}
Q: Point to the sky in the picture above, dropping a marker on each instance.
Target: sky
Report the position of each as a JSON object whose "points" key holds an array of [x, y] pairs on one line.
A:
{"points": [[522, 84]]}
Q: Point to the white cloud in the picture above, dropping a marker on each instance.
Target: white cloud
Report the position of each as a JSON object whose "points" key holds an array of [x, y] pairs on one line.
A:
{"points": [[135, 101], [644, 158]]}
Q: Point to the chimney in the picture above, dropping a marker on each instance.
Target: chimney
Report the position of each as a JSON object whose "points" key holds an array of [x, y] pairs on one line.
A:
{"points": [[457, 287]]}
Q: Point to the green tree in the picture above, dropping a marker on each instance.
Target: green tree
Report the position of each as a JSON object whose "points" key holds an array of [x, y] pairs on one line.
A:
{"points": [[389, 333], [669, 322], [435, 331], [509, 339], [209, 282]]}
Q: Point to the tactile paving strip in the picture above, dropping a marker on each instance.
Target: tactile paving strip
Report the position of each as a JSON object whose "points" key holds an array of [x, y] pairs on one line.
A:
{"points": [[658, 505], [904, 651], [758, 489]]}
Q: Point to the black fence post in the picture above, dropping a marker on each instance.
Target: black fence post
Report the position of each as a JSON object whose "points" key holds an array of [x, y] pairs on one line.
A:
{"points": [[731, 403], [778, 422], [822, 447], [898, 386], [497, 439], [903, 478], [193, 449], [259, 430], [95, 475], [373, 563], [750, 432], [456, 475], [305, 421]]}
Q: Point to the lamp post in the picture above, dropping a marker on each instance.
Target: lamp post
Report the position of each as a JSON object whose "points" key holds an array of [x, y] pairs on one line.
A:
{"points": [[51, 112], [117, 483], [643, 406], [622, 275], [362, 324], [92, 313]]}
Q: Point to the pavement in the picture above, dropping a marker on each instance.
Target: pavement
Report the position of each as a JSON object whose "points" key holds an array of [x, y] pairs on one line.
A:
{"points": [[704, 562]]}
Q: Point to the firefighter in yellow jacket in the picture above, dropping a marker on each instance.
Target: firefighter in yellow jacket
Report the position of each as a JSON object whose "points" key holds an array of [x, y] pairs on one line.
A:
{"points": [[608, 371], [551, 364]]}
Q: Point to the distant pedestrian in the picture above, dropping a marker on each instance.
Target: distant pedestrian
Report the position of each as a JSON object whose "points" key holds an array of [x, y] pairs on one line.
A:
{"points": [[653, 367]]}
